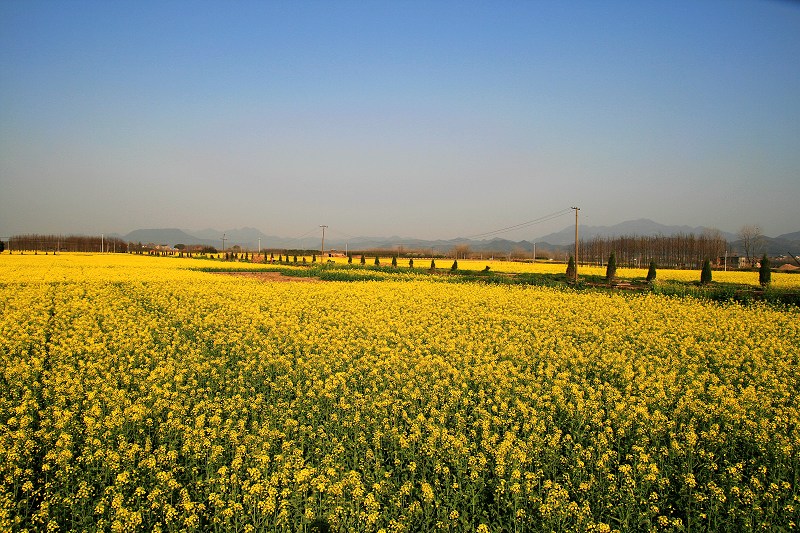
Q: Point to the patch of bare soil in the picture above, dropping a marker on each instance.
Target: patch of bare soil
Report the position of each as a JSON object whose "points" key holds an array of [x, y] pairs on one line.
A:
{"points": [[273, 277], [621, 285]]}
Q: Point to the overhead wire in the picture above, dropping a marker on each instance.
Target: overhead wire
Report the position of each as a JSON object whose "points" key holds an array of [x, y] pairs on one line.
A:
{"points": [[540, 220], [306, 234]]}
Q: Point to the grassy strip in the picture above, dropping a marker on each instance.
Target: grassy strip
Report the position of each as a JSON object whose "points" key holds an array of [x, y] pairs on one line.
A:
{"points": [[719, 292]]}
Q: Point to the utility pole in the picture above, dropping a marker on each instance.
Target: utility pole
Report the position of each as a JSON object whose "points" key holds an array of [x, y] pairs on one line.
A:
{"points": [[101, 243], [576, 241], [223, 242], [259, 245], [322, 253], [534, 252]]}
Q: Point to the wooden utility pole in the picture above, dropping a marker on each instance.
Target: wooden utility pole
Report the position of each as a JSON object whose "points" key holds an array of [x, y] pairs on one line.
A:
{"points": [[576, 241], [322, 253]]}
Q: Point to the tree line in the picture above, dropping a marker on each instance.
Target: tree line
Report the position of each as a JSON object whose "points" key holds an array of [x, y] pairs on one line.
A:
{"points": [[682, 250], [65, 243]]}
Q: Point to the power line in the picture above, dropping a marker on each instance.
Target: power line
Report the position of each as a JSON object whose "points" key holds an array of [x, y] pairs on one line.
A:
{"points": [[295, 239], [533, 222], [306, 234], [340, 232]]}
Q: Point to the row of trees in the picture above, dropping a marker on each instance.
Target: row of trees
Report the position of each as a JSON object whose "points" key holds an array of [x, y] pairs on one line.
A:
{"points": [[674, 251], [65, 243]]}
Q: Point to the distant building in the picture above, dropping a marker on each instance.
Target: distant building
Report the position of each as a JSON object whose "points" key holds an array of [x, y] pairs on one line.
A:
{"points": [[733, 261]]}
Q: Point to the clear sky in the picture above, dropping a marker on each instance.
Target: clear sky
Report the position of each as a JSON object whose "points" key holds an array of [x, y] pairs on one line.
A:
{"points": [[428, 119]]}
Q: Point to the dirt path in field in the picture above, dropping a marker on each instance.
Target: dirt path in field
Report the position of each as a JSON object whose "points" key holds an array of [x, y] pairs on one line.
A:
{"points": [[273, 277]]}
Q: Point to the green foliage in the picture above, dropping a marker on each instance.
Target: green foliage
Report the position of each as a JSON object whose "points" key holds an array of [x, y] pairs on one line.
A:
{"points": [[363, 260], [571, 268], [705, 274], [611, 267], [411, 263], [433, 264], [377, 261], [455, 266], [394, 261], [349, 259], [764, 272], [651, 272]]}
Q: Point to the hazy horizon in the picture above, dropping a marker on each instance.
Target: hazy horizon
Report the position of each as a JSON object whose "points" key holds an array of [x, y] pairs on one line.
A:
{"points": [[427, 120], [333, 233]]}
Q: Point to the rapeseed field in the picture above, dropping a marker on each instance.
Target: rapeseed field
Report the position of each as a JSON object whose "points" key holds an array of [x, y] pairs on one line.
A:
{"points": [[139, 394]]}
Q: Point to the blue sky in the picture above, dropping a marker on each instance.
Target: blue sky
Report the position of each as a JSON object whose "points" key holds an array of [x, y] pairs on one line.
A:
{"points": [[418, 119]]}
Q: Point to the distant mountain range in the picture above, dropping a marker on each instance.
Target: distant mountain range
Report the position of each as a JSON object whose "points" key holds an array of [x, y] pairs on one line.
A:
{"points": [[248, 238]]}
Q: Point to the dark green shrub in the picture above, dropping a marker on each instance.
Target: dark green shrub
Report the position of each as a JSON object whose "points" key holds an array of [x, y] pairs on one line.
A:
{"points": [[611, 267], [571, 268], [705, 274], [764, 272], [651, 272]]}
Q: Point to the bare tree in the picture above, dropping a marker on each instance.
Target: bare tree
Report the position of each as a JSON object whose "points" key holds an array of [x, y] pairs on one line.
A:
{"points": [[66, 243], [460, 251], [752, 241], [679, 250]]}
